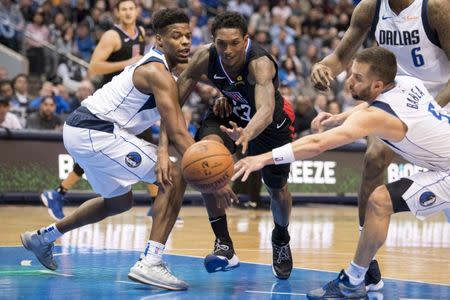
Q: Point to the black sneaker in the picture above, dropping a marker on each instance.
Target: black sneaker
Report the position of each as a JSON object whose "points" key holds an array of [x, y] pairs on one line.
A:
{"points": [[281, 259], [373, 277], [222, 258], [340, 288]]}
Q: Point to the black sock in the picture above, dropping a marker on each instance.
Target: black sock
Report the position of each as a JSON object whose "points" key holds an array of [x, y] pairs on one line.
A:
{"points": [[60, 189], [220, 228], [280, 234]]}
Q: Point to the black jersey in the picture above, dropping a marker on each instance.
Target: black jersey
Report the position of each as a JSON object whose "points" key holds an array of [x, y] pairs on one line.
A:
{"points": [[240, 93], [130, 47]]}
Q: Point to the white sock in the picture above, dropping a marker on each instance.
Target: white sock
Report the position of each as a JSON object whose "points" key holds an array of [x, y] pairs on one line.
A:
{"points": [[153, 252], [355, 273], [50, 233], [360, 229]]}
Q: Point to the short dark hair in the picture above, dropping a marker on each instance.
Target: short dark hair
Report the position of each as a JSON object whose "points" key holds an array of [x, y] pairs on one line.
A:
{"points": [[168, 16], [18, 76], [4, 101], [229, 19], [382, 62], [118, 2]]}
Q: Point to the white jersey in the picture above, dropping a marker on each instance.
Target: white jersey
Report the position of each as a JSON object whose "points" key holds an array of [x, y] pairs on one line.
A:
{"points": [[415, 45], [121, 103], [427, 142]]}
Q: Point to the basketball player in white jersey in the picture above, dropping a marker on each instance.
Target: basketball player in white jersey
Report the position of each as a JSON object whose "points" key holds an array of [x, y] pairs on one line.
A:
{"points": [[418, 33], [404, 115], [101, 137]]}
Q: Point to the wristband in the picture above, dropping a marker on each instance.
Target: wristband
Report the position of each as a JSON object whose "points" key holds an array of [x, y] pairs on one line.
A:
{"points": [[283, 154]]}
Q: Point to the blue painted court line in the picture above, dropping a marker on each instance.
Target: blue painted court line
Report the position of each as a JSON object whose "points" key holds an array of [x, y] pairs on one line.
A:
{"points": [[102, 274]]}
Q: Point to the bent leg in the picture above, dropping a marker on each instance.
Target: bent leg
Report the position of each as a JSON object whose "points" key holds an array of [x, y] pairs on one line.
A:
{"points": [[377, 158], [95, 210]]}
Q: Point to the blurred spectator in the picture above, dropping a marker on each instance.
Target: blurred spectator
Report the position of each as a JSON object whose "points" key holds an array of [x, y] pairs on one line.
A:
{"points": [[196, 9], [282, 10], [12, 24], [85, 89], [320, 103], [45, 118], [81, 11], [3, 73], [6, 89], [7, 119], [37, 34], [261, 20], [287, 93], [71, 73], [84, 43], [333, 107], [243, 7], [49, 90], [304, 114], [262, 38], [197, 34], [288, 74], [308, 60], [20, 86], [187, 113]]}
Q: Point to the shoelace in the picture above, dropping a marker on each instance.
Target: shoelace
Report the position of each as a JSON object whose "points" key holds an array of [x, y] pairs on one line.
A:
{"points": [[49, 250], [219, 247], [164, 270], [283, 253]]}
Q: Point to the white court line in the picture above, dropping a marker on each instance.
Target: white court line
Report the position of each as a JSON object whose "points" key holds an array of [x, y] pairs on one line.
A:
{"points": [[61, 254], [55, 273], [278, 293]]}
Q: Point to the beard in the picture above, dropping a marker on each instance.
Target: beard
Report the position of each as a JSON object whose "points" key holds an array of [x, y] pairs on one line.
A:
{"points": [[364, 95]]}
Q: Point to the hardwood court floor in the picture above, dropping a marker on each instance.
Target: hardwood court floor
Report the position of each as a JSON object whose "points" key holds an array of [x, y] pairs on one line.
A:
{"points": [[323, 237]]}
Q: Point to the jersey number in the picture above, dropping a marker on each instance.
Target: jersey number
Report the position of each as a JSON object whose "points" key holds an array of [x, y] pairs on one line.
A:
{"points": [[417, 57], [242, 111], [438, 115]]}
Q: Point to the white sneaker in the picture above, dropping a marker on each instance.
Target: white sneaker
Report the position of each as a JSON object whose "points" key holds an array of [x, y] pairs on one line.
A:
{"points": [[43, 250], [158, 275]]}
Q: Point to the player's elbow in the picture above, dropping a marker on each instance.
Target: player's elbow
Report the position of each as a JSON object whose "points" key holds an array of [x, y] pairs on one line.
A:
{"points": [[93, 70], [317, 146]]}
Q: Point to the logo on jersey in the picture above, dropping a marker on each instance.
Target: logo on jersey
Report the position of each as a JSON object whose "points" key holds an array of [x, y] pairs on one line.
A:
{"points": [[385, 17], [133, 159], [239, 80], [427, 199], [219, 77], [398, 38], [235, 96]]}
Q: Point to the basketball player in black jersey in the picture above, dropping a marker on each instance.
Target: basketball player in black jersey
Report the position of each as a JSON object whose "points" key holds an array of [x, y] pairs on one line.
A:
{"points": [[118, 47], [261, 119]]}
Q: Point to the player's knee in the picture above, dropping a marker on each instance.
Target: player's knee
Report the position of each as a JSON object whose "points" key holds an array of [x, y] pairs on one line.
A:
{"points": [[278, 193], [119, 204], [379, 202]]}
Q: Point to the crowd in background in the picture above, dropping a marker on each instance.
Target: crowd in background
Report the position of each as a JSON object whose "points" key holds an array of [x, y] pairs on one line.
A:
{"points": [[297, 33]]}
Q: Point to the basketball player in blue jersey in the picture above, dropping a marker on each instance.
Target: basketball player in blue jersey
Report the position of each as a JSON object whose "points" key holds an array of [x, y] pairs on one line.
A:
{"points": [[247, 76], [404, 115], [118, 47], [101, 136], [418, 33]]}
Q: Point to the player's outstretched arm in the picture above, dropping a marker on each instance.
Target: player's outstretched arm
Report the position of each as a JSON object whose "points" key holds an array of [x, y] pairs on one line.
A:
{"points": [[196, 70], [109, 42], [438, 13], [324, 71], [358, 125], [154, 78]]}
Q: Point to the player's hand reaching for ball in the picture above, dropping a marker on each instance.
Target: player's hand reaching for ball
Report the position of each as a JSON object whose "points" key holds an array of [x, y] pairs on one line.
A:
{"points": [[225, 197], [237, 134], [247, 165], [321, 77]]}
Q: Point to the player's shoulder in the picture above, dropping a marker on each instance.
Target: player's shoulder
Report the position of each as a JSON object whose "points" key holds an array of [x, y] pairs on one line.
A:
{"points": [[364, 12], [110, 36], [438, 9]]}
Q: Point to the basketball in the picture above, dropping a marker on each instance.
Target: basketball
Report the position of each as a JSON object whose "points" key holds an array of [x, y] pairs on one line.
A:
{"points": [[207, 166]]}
